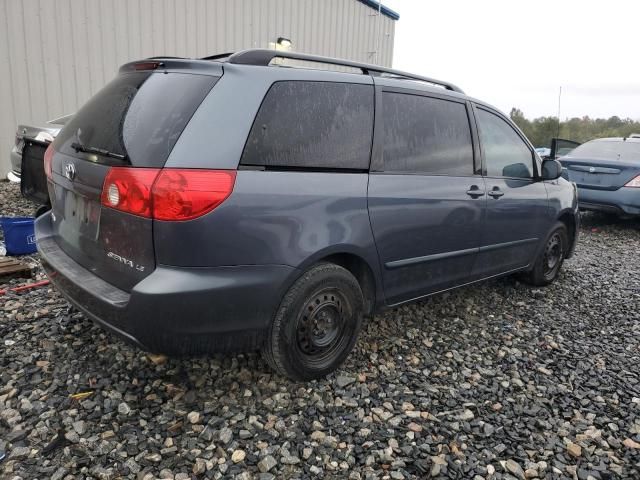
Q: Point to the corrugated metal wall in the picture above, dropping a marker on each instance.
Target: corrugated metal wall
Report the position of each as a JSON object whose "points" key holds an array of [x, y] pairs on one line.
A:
{"points": [[56, 53]]}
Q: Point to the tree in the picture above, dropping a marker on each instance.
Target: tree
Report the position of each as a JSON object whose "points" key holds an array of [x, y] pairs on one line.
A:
{"points": [[541, 130], [523, 124]]}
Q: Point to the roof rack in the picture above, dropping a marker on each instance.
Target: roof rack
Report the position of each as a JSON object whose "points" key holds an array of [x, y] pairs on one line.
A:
{"points": [[264, 57]]}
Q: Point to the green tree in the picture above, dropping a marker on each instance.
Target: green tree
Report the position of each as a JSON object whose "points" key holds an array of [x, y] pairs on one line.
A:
{"points": [[541, 130]]}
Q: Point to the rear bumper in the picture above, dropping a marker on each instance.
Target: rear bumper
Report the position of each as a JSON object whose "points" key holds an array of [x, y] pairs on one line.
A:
{"points": [[624, 201], [175, 310]]}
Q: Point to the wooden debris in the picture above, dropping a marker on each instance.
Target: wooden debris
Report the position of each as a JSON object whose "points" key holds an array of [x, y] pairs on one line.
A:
{"points": [[10, 267]]}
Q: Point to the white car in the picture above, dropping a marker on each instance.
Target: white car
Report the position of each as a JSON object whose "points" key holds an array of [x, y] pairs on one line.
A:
{"points": [[44, 134], [543, 152]]}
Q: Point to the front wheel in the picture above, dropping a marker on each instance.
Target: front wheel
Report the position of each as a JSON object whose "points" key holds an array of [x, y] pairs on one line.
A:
{"points": [[316, 325], [549, 261]]}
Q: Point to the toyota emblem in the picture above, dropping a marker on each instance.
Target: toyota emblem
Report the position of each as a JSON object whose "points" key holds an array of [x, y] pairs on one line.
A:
{"points": [[70, 171]]}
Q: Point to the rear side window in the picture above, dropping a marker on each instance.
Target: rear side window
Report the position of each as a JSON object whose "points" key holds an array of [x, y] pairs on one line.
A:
{"points": [[139, 115], [312, 125], [505, 153], [424, 134]]}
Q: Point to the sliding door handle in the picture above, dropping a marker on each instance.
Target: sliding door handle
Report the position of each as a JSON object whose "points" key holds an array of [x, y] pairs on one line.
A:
{"points": [[475, 192], [496, 192]]}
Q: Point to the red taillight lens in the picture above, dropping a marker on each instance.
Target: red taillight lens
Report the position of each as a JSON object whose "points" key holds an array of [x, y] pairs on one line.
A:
{"points": [[147, 65], [635, 182], [166, 194], [129, 190], [187, 194], [48, 157]]}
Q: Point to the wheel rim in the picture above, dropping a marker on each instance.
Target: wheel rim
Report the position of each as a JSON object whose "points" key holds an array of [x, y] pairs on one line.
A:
{"points": [[552, 255], [321, 326]]}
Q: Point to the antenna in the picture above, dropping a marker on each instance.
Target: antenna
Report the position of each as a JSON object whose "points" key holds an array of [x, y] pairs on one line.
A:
{"points": [[559, 100], [377, 54]]}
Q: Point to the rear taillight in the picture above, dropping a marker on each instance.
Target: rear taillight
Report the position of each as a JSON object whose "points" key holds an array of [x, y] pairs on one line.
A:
{"points": [[166, 194], [129, 189], [187, 194], [48, 157], [635, 182]]}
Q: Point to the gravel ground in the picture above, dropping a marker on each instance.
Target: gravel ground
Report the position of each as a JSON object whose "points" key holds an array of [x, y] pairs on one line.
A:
{"points": [[495, 381]]}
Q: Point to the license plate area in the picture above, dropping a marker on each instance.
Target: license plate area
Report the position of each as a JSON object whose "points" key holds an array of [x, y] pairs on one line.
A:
{"points": [[33, 184], [79, 215]]}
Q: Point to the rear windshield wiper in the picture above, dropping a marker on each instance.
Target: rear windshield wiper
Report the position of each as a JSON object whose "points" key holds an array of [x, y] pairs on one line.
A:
{"points": [[100, 151]]}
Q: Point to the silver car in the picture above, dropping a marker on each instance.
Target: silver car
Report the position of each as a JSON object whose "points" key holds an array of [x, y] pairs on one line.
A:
{"points": [[46, 134]]}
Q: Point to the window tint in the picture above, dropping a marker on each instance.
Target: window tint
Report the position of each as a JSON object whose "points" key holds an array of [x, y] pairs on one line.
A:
{"points": [[505, 153], [424, 134], [140, 115], [312, 124]]}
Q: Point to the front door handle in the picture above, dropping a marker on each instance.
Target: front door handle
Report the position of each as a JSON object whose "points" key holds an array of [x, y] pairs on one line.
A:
{"points": [[474, 191], [496, 192]]}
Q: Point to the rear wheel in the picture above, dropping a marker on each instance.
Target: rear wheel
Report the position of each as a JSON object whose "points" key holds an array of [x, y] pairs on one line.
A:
{"points": [[550, 259], [317, 323], [42, 209]]}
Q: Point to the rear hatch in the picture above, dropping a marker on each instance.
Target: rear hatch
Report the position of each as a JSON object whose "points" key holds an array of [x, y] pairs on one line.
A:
{"points": [[132, 122], [603, 164]]}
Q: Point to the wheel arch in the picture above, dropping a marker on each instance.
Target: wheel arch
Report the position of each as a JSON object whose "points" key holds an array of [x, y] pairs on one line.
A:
{"points": [[356, 262], [571, 220]]}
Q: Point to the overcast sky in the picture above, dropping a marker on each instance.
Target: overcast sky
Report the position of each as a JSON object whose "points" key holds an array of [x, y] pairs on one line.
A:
{"points": [[517, 53]]}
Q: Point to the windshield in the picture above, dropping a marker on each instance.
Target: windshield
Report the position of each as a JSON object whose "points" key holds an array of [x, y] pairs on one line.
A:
{"points": [[137, 118], [608, 150]]}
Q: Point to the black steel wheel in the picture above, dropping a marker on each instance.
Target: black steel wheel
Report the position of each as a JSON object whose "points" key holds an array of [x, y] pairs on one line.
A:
{"points": [[316, 325], [547, 266], [553, 255]]}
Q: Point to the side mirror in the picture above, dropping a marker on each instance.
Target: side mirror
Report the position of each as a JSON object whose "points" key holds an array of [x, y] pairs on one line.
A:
{"points": [[551, 169]]}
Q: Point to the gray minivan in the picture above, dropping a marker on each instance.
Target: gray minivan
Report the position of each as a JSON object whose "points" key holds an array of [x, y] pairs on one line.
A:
{"points": [[231, 204]]}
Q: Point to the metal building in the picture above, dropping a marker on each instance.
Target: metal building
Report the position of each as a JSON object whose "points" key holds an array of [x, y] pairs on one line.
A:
{"points": [[55, 54]]}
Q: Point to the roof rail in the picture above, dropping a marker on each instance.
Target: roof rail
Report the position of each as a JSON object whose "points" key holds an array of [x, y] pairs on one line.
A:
{"points": [[264, 57]]}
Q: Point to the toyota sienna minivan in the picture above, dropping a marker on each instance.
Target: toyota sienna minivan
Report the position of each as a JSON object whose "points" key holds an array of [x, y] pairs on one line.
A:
{"points": [[229, 204]]}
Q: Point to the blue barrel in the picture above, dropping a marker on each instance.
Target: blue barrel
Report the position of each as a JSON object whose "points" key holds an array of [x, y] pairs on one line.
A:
{"points": [[19, 237]]}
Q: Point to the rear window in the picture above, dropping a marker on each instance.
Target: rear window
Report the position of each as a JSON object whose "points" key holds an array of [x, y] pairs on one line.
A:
{"points": [[139, 115], [426, 135], [304, 124], [608, 150]]}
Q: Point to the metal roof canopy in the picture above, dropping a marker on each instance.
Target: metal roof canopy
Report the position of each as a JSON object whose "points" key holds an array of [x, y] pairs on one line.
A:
{"points": [[384, 10]]}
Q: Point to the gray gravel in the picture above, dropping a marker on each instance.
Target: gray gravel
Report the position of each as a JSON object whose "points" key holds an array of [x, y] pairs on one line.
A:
{"points": [[495, 381]]}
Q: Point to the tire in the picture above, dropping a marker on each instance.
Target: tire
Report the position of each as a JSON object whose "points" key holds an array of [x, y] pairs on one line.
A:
{"points": [[549, 262], [316, 325], [42, 209]]}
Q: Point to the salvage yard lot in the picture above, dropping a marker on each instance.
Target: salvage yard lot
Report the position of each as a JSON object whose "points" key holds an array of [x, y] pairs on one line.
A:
{"points": [[498, 380]]}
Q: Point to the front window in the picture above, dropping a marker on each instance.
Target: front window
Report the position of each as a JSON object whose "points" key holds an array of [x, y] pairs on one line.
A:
{"points": [[505, 153]]}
